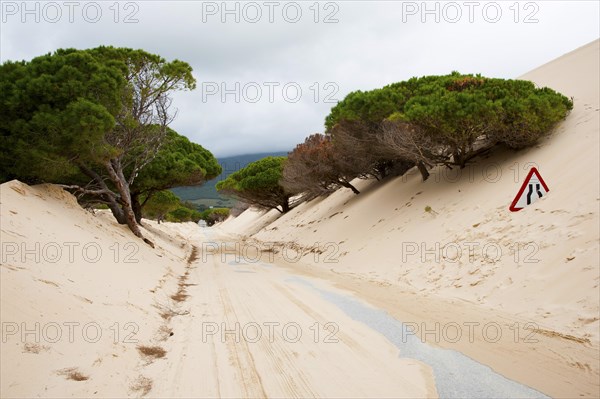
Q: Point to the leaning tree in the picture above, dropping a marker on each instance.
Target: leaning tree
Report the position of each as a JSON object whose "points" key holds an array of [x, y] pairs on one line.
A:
{"points": [[178, 163], [314, 168], [98, 114]]}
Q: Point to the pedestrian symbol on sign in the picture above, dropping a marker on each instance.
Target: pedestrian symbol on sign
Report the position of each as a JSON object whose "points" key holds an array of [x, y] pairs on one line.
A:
{"points": [[533, 188]]}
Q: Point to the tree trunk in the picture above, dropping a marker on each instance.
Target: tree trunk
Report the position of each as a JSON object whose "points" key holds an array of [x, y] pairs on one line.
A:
{"points": [[350, 186], [137, 207], [460, 156], [116, 175], [423, 169], [116, 211], [111, 199], [286, 206]]}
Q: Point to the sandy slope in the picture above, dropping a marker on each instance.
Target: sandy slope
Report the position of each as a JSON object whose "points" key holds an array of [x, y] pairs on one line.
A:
{"points": [[540, 265], [73, 321], [61, 266]]}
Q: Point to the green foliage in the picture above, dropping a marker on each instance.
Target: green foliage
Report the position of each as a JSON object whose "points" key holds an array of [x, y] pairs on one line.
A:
{"points": [[160, 204], [446, 119], [179, 162], [528, 113], [457, 110], [101, 115], [258, 184], [207, 193], [181, 214], [61, 110], [196, 216], [214, 215], [55, 111], [370, 107]]}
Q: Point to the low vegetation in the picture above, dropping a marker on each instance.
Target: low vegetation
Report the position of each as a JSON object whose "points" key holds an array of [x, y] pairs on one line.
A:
{"points": [[259, 184], [214, 215], [142, 385], [439, 120], [164, 205], [152, 352], [423, 122], [72, 373]]}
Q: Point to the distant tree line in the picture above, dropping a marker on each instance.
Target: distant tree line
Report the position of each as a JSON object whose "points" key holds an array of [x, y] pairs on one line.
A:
{"points": [[166, 206], [422, 122]]}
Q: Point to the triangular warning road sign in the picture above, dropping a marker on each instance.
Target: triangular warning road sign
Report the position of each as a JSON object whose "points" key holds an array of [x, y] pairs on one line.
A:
{"points": [[533, 188]]}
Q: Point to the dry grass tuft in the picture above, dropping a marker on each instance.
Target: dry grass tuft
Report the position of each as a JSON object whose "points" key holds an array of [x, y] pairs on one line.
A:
{"points": [[180, 296], [29, 347], [193, 255], [155, 352], [167, 312], [71, 373], [167, 315]]}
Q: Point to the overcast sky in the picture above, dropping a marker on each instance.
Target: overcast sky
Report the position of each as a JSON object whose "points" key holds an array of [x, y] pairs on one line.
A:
{"points": [[269, 71]]}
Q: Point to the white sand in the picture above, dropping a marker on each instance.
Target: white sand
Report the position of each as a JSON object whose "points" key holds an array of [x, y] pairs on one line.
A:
{"points": [[60, 282], [386, 237], [562, 230], [358, 244], [95, 296]]}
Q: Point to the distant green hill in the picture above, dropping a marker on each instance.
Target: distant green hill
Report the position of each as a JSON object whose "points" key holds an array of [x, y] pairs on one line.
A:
{"points": [[206, 195]]}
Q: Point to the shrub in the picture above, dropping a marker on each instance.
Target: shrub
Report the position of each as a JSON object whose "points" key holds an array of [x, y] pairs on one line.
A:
{"points": [[258, 184], [214, 215], [314, 168], [446, 120], [181, 214], [160, 204]]}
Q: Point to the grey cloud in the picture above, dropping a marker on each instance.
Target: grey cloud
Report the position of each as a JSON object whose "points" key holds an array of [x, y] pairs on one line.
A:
{"points": [[370, 46]]}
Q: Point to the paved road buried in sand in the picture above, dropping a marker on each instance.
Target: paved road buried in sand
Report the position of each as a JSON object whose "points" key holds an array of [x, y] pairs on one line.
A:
{"points": [[259, 330]]}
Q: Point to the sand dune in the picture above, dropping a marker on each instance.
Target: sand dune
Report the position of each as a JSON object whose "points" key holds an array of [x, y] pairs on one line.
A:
{"points": [[79, 295], [88, 310], [550, 248], [453, 237]]}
